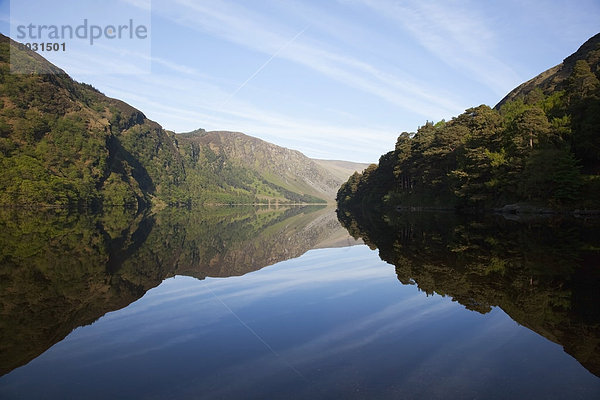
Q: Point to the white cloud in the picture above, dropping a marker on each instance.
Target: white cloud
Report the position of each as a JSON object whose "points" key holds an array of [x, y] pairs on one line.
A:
{"points": [[196, 103], [142, 4], [251, 30], [457, 35]]}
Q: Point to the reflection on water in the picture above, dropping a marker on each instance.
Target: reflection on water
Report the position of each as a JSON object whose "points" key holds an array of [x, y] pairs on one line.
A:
{"points": [[543, 272], [61, 270], [328, 323]]}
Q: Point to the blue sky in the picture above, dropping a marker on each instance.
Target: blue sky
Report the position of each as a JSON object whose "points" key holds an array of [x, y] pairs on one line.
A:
{"points": [[336, 79]]}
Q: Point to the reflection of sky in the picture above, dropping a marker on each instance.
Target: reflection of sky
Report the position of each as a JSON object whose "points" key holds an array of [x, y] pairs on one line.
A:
{"points": [[332, 323]]}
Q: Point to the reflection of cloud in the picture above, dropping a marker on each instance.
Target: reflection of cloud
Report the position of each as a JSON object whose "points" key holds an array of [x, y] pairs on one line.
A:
{"points": [[180, 300], [278, 329], [315, 273], [489, 340], [401, 316]]}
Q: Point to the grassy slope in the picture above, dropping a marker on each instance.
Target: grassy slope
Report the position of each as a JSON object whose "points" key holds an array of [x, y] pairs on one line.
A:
{"points": [[341, 169], [278, 170]]}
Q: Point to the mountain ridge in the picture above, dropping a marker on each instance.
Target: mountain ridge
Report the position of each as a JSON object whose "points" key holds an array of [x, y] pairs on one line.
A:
{"points": [[340, 168], [279, 165], [555, 78], [64, 143]]}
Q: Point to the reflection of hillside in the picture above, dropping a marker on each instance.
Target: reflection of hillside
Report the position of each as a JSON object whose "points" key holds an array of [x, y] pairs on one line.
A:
{"points": [[53, 276], [61, 270], [289, 235], [543, 273]]}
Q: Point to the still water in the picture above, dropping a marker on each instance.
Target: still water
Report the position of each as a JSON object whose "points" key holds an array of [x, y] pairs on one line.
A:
{"points": [[283, 303]]}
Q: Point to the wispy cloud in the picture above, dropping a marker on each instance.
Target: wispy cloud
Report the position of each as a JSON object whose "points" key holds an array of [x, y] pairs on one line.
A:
{"points": [[458, 36], [104, 60], [251, 30], [195, 103], [186, 98], [265, 64], [142, 4]]}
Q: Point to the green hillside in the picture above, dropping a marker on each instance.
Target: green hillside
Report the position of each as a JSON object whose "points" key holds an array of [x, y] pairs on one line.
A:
{"points": [[63, 143], [274, 172], [540, 146]]}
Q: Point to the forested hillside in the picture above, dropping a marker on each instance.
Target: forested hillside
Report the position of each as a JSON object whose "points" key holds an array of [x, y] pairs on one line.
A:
{"points": [[539, 146], [63, 143]]}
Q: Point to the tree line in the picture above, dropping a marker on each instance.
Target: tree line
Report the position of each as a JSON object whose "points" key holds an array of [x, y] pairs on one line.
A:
{"points": [[542, 149]]}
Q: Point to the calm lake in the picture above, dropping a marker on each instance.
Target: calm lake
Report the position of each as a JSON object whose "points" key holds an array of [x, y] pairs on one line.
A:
{"points": [[265, 303]]}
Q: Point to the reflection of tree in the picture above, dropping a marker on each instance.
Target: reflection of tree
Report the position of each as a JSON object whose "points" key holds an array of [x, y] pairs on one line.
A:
{"points": [[60, 270], [542, 272]]}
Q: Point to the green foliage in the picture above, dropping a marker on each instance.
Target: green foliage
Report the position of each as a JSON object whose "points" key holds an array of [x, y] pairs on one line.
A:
{"points": [[582, 82], [63, 143], [215, 178], [537, 148], [115, 191], [552, 174]]}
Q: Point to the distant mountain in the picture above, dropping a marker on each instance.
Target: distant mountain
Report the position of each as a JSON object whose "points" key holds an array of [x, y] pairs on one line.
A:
{"points": [[65, 143], [341, 169], [279, 168]]}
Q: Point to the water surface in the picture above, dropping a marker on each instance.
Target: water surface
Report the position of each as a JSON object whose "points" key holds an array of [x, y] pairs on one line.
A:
{"points": [[247, 304]]}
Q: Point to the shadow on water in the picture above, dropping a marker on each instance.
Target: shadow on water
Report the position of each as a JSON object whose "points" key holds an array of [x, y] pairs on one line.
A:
{"points": [[60, 270], [543, 272]]}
